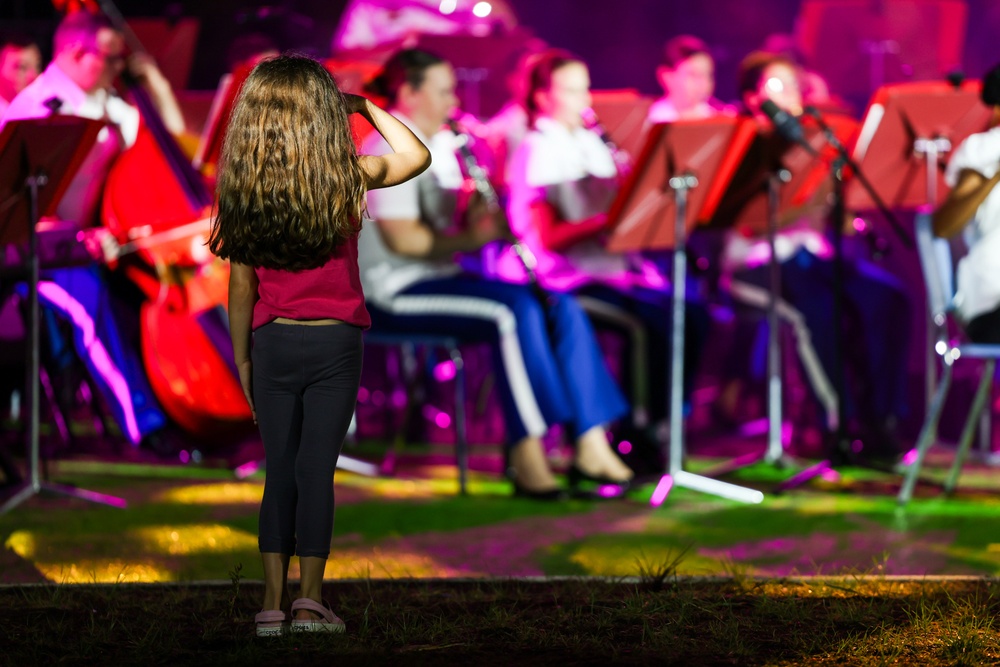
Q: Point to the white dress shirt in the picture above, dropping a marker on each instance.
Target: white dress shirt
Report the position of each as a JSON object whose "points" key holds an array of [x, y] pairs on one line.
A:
{"points": [[81, 200], [978, 273]]}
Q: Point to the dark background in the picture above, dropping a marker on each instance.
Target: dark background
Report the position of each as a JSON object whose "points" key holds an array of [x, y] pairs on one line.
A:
{"points": [[621, 39]]}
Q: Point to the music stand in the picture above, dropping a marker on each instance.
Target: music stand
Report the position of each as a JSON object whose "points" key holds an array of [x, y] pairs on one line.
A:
{"points": [[623, 115], [38, 159], [907, 134], [770, 178], [674, 159]]}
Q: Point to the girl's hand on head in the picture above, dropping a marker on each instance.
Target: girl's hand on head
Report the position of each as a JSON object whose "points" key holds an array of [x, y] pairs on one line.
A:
{"points": [[355, 103]]}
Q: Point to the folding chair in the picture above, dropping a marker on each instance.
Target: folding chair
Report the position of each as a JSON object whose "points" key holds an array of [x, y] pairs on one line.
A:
{"points": [[408, 344], [936, 265]]}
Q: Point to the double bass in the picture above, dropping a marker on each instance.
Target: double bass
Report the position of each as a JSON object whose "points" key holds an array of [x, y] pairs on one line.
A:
{"points": [[156, 202]]}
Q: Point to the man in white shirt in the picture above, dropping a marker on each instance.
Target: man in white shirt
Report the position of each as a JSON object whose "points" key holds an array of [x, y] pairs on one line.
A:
{"points": [[973, 208], [88, 56]]}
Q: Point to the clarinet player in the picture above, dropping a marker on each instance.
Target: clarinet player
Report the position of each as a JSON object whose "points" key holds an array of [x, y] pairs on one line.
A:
{"points": [[562, 180], [550, 368]]}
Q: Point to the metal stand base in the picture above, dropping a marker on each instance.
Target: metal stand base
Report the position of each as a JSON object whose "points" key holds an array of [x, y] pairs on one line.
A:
{"points": [[35, 485], [675, 476], [29, 490]]}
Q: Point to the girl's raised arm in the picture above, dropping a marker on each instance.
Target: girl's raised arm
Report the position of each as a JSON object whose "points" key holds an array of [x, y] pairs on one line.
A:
{"points": [[409, 157]]}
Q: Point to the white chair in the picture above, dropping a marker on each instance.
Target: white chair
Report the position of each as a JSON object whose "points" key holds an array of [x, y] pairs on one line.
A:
{"points": [[936, 265]]}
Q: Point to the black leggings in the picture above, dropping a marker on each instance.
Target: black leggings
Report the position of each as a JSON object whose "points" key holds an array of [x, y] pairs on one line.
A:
{"points": [[305, 385]]}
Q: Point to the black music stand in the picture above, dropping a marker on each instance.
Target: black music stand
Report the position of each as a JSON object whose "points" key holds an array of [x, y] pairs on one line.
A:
{"points": [[674, 159], [38, 159]]}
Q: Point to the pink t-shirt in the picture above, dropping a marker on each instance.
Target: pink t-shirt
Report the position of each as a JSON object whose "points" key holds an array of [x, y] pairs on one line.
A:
{"points": [[331, 291]]}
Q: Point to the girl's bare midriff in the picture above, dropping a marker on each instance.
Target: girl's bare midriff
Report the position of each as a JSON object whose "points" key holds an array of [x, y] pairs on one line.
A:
{"points": [[308, 323]]}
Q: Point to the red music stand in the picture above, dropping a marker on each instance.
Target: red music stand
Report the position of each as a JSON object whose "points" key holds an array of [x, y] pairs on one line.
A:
{"points": [[908, 129], [908, 132], [38, 159], [675, 159], [741, 195], [623, 115]]}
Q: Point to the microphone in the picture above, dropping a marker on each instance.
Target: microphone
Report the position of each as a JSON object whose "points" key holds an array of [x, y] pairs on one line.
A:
{"points": [[787, 125]]}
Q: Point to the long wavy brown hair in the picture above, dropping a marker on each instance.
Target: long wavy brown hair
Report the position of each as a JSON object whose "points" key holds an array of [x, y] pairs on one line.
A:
{"points": [[290, 187]]}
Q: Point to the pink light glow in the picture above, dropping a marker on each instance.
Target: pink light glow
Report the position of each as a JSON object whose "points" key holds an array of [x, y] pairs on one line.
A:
{"points": [[624, 447], [442, 420], [363, 395], [830, 475], [398, 398], [859, 224], [910, 457], [99, 356], [661, 491], [609, 491], [444, 371]]}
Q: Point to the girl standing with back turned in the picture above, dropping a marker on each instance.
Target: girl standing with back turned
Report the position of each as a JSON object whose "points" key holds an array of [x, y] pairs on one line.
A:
{"points": [[291, 193]]}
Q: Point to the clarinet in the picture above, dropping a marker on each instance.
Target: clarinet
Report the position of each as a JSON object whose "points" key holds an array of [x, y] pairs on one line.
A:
{"points": [[623, 161], [489, 194]]}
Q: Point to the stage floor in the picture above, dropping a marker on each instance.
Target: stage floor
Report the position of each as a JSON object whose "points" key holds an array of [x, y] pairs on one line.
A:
{"points": [[197, 522]]}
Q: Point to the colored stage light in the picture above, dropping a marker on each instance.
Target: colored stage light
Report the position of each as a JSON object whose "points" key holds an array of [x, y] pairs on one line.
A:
{"points": [[444, 371], [482, 9]]}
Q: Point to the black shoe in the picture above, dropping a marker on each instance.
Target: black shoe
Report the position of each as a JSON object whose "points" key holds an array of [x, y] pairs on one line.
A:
{"points": [[547, 495], [645, 455], [521, 492], [576, 477]]}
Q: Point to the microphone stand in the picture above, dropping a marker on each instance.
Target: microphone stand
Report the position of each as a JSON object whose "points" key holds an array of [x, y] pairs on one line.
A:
{"points": [[843, 451]]}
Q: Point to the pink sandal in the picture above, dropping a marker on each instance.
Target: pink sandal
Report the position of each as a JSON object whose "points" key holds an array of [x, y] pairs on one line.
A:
{"points": [[330, 622], [271, 623]]}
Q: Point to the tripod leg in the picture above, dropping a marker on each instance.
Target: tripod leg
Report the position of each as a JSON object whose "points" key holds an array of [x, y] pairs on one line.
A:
{"points": [[971, 423], [928, 434]]}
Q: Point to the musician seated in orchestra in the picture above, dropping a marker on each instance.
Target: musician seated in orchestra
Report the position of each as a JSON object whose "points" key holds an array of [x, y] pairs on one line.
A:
{"points": [[20, 63], [88, 56], [815, 89], [875, 345], [973, 209], [546, 356], [687, 76], [562, 180]]}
